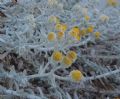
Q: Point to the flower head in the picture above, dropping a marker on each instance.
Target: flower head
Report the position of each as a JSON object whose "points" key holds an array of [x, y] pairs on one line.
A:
{"points": [[51, 36], [76, 29], [78, 37], [61, 27], [87, 18], [60, 35], [76, 75], [112, 2], [97, 35], [83, 32], [90, 29], [67, 62], [75, 33], [57, 56], [72, 55]]}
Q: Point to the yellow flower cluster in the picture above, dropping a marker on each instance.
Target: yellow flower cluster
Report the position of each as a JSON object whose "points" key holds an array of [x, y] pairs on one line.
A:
{"points": [[112, 2], [77, 33], [70, 57], [67, 60], [52, 36], [76, 75]]}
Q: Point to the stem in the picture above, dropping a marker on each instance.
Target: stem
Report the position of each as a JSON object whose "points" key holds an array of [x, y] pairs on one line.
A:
{"points": [[38, 76], [102, 75], [101, 56], [61, 78], [45, 67], [15, 93], [79, 44]]}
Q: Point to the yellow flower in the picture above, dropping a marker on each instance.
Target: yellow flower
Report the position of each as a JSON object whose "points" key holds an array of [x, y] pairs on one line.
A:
{"points": [[57, 56], [54, 19], [112, 2], [61, 27], [60, 35], [51, 36], [78, 37], [83, 32], [87, 18], [97, 35], [76, 75], [67, 62], [90, 29], [76, 29], [75, 33], [72, 55]]}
